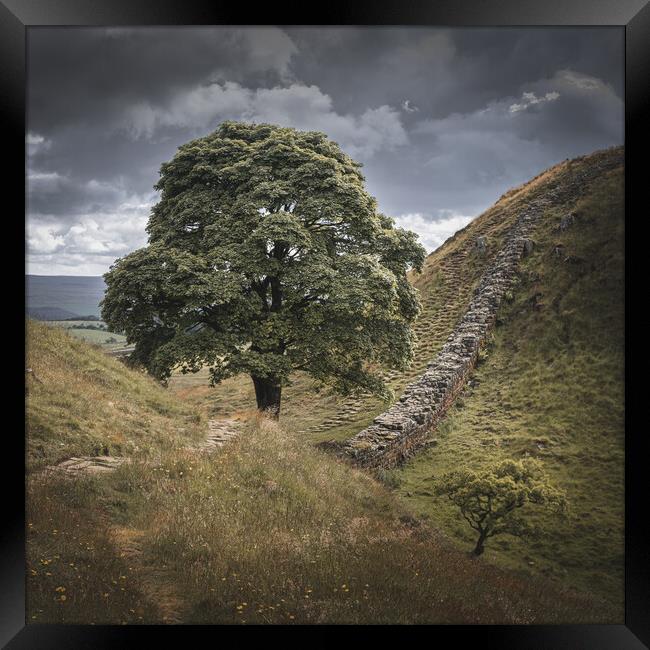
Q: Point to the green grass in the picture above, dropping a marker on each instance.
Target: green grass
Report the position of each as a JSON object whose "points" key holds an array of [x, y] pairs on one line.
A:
{"points": [[551, 386], [103, 338], [179, 536], [82, 402], [267, 530]]}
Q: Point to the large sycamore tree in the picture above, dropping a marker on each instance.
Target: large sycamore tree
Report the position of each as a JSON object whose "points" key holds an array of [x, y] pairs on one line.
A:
{"points": [[266, 255]]}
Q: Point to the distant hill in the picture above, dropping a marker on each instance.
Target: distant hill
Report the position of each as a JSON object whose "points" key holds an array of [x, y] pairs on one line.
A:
{"points": [[51, 313], [63, 297]]}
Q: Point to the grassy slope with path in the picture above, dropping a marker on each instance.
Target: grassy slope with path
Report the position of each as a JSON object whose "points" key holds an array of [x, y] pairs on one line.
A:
{"points": [[267, 529]]}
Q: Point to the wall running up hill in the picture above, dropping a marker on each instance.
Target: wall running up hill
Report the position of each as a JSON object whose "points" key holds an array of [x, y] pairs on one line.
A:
{"points": [[403, 428]]}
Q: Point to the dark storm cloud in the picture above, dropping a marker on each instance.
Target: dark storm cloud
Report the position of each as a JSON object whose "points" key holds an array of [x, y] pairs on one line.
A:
{"points": [[443, 120], [449, 70], [86, 75]]}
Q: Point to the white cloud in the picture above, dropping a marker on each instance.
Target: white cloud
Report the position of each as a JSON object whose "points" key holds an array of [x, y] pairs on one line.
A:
{"points": [[91, 243], [36, 143], [299, 106], [45, 182], [195, 109], [530, 99], [581, 81], [433, 233], [67, 264], [406, 105], [43, 238], [47, 191]]}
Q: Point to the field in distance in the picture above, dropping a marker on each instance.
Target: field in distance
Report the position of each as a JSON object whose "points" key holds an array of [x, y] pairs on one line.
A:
{"points": [[92, 331]]}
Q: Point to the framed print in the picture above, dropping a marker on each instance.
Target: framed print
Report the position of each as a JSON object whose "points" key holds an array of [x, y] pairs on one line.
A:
{"points": [[326, 321]]}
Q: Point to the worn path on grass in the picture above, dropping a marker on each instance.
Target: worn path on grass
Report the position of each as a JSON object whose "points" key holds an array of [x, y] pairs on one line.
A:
{"points": [[220, 431], [155, 583]]}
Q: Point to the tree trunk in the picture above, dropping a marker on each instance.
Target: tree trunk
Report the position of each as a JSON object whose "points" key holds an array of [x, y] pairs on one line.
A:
{"points": [[480, 544], [268, 393]]}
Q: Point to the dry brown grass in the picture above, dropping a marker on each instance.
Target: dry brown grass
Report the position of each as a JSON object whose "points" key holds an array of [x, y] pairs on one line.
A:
{"points": [[271, 530], [80, 402], [75, 574], [267, 529]]}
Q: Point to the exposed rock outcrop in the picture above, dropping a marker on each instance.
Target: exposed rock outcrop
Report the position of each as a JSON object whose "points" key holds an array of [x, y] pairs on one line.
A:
{"points": [[480, 245]]}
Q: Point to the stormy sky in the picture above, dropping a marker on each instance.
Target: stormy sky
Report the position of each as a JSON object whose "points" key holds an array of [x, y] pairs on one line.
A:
{"points": [[443, 120]]}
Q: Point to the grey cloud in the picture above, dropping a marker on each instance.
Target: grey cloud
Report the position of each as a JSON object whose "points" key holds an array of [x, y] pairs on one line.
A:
{"points": [[465, 161], [450, 70], [428, 112], [84, 75], [305, 107], [53, 193]]}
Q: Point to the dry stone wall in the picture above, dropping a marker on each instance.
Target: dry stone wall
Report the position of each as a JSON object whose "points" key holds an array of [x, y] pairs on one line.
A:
{"points": [[405, 426]]}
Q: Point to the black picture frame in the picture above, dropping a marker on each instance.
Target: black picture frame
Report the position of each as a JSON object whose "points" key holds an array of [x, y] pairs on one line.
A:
{"points": [[17, 15]]}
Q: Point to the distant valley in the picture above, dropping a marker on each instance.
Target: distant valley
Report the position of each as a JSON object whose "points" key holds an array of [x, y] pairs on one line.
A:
{"points": [[63, 297], [72, 302]]}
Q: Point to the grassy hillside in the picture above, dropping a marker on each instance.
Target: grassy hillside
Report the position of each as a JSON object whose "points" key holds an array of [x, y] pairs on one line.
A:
{"points": [[550, 385], [82, 402], [268, 529]]}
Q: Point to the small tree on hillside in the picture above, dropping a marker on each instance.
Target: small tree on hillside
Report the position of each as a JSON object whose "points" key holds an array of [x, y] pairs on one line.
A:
{"points": [[266, 255], [491, 501]]}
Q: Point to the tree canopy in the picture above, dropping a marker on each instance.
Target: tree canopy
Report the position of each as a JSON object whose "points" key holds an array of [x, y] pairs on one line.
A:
{"points": [[490, 501], [266, 255]]}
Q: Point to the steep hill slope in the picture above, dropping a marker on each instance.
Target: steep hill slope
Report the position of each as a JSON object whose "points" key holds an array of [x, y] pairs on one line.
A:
{"points": [[551, 385], [82, 402]]}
